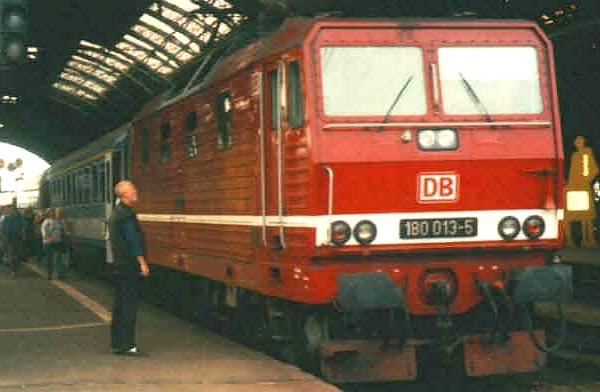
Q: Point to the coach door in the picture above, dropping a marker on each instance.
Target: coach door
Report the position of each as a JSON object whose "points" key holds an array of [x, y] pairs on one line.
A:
{"points": [[115, 168], [108, 203], [272, 151]]}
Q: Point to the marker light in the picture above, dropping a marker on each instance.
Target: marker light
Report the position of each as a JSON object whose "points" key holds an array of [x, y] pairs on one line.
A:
{"points": [[509, 228], [340, 233], [534, 227], [365, 232]]}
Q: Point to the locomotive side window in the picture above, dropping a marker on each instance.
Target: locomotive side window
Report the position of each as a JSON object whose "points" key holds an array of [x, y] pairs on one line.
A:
{"points": [[165, 143], [295, 103], [274, 95], [373, 81], [492, 80], [191, 139], [145, 153], [224, 109]]}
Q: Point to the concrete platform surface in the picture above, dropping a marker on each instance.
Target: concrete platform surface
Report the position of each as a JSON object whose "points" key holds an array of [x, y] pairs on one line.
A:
{"points": [[51, 341]]}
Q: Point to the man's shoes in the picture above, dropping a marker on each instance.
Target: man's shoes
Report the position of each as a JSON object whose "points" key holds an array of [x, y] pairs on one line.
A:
{"points": [[134, 352], [131, 352]]}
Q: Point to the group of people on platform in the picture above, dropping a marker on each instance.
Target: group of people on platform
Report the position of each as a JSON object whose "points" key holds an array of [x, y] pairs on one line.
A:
{"points": [[27, 234]]}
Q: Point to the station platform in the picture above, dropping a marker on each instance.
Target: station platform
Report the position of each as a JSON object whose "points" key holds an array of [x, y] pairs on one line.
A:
{"points": [[54, 336]]}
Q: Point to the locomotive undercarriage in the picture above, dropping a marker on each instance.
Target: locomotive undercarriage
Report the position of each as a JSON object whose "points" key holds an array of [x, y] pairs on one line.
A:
{"points": [[352, 345]]}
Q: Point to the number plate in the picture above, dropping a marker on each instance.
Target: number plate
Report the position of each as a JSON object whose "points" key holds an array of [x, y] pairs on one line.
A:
{"points": [[438, 228]]}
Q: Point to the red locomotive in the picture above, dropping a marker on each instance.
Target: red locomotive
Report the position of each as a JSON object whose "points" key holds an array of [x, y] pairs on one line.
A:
{"points": [[366, 190]]}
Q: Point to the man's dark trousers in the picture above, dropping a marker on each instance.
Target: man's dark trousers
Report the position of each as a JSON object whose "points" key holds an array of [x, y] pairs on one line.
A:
{"points": [[122, 328]]}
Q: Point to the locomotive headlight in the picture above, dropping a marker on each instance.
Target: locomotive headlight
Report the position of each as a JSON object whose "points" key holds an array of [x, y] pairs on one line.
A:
{"points": [[365, 232], [426, 139], [340, 233], [437, 139], [534, 227], [509, 228], [446, 139]]}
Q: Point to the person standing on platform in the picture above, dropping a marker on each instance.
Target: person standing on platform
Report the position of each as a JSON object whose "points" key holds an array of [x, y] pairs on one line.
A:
{"points": [[28, 234], [52, 238], [12, 235], [127, 245]]}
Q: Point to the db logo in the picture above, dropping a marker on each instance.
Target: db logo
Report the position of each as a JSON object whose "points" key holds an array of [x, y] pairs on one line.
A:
{"points": [[438, 187]]}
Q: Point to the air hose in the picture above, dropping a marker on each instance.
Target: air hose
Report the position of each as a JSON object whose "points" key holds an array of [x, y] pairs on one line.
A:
{"points": [[563, 329]]}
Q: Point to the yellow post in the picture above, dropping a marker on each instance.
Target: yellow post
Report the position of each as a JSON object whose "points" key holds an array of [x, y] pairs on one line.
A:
{"points": [[579, 201]]}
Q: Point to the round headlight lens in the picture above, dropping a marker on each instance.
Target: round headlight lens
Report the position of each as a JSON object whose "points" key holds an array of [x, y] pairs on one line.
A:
{"points": [[340, 233], [446, 139], [509, 228], [365, 232], [426, 139], [534, 227]]}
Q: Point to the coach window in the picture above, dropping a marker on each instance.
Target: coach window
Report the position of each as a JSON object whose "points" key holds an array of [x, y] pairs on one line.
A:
{"points": [[60, 191], [165, 143], [274, 95], [295, 103], [191, 138], [95, 197], [224, 109], [71, 188], [101, 182], [145, 147], [87, 182]]}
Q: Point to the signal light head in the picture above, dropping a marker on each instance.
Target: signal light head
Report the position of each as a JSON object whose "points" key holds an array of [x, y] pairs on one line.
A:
{"points": [[14, 19]]}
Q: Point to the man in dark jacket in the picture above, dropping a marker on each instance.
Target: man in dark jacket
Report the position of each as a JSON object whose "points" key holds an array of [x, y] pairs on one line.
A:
{"points": [[12, 235], [127, 245]]}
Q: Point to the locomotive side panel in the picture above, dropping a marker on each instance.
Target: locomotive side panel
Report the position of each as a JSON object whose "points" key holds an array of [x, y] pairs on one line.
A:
{"points": [[208, 180]]}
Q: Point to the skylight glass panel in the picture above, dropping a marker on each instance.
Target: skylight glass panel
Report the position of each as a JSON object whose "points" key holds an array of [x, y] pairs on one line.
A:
{"points": [[165, 70], [162, 56], [224, 29], [138, 42], [158, 24], [138, 54], [209, 20], [182, 38], [221, 4], [94, 87], [154, 63], [172, 15], [147, 33], [72, 78], [172, 47], [184, 56], [83, 67], [65, 87], [194, 48], [108, 78], [195, 27], [185, 5]]}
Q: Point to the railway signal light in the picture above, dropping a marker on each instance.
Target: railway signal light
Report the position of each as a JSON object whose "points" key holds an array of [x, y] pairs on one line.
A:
{"points": [[14, 20]]}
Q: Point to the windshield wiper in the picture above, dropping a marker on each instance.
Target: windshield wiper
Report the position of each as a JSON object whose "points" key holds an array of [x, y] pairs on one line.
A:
{"points": [[475, 98], [402, 90]]}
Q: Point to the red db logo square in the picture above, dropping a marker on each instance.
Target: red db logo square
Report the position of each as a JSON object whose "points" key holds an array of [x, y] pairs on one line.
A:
{"points": [[438, 187]]}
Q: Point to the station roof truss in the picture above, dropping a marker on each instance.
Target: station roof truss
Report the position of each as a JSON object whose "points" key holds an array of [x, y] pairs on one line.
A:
{"points": [[169, 35]]}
